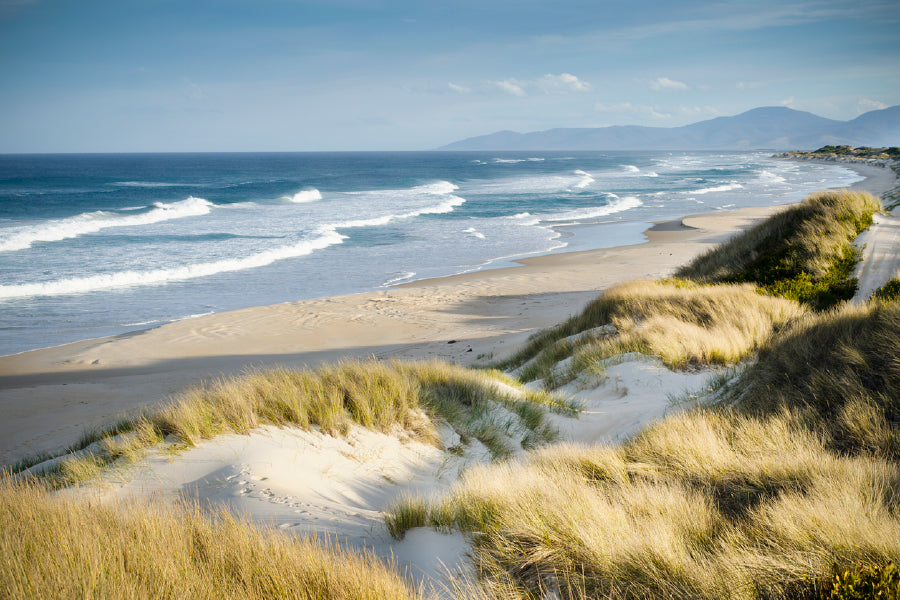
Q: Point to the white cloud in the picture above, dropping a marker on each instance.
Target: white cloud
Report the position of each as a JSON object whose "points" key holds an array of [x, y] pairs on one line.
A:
{"points": [[665, 84], [564, 82], [510, 86], [865, 105], [787, 101], [459, 89]]}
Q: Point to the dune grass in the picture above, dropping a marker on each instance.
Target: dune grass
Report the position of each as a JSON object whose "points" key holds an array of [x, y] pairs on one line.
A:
{"points": [[683, 323], [59, 547], [708, 504], [838, 373], [804, 253], [387, 397]]}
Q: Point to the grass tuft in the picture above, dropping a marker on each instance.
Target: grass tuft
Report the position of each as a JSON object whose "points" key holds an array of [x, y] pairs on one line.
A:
{"points": [[683, 323], [59, 547]]}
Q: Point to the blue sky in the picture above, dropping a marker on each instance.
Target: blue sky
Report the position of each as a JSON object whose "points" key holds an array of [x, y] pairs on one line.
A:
{"points": [[281, 75]]}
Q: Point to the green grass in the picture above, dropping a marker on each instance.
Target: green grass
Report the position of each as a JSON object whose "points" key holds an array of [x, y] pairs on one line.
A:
{"points": [[788, 487], [803, 253]]}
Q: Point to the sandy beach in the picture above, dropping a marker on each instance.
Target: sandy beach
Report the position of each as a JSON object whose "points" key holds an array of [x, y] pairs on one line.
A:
{"points": [[50, 396]]}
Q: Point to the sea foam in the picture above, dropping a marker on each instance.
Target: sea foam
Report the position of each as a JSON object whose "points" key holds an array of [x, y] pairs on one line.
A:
{"points": [[305, 196], [122, 279], [616, 205], [20, 238]]}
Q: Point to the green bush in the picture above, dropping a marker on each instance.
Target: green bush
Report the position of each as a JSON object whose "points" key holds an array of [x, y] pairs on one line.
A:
{"points": [[889, 291], [860, 583]]}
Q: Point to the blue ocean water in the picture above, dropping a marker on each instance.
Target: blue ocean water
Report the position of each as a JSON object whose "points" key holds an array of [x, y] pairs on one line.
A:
{"points": [[94, 245]]}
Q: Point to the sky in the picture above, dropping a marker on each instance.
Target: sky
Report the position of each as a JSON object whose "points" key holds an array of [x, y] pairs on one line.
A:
{"points": [[335, 75]]}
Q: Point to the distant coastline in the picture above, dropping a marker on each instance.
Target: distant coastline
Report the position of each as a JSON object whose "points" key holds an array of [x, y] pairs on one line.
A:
{"points": [[886, 157]]}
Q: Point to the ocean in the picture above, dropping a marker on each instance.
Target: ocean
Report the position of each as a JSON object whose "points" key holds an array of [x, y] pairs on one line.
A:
{"points": [[96, 245]]}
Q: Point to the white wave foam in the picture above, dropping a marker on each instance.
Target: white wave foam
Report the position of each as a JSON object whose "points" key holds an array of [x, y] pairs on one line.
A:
{"points": [[650, 174], [398, 277], [769, 177], [19, 238], [305, 196], [516, 160], [718, 188], [616, 205], [474, 233], [123, 279], [631, 169], [585, 180], [439, 188]]}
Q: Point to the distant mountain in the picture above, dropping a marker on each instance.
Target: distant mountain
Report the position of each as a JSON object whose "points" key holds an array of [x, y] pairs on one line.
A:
{"points": [[769, 128]]}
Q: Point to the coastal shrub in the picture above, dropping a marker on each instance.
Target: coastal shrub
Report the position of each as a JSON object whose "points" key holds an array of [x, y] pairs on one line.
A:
{"points": [[889, 292], [860, 582], [803, 253], [57, 546], [681, 322]]}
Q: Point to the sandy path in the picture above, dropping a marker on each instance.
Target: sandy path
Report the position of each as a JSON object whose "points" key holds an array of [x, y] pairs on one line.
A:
{"points": [[880, 247]]}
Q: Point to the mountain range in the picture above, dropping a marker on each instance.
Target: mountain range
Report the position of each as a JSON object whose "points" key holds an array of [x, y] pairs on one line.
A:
{"points": [[765, 128]]}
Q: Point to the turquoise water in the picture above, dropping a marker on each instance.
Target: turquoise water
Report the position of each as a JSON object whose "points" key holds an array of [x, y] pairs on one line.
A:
{"points": [[93, 245]]}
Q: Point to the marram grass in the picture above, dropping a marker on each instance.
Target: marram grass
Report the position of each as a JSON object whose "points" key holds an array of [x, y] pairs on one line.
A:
{"points": [[708, 504], [55, 546], [683, 323], [387, 397]]}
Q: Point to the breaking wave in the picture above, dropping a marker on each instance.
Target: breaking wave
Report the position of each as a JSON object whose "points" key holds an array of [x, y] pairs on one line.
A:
{"points": [[20, 238], [122, 279]]}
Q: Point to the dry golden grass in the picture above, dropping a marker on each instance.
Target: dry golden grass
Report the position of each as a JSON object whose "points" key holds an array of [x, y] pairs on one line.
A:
{"points": [[682, 323], [838, 373], [57, 547], [709, 504], [387, 397]]}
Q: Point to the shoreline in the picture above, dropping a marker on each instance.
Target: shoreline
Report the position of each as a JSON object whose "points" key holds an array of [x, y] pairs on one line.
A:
{"points": [[50, 396]]}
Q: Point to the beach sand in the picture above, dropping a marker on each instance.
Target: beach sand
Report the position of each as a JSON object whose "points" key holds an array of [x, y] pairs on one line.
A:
{"points": [[49, 397]]}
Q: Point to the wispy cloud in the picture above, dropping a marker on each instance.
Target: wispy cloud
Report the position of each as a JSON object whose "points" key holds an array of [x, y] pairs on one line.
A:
{"points": [[459, 89], [563, 83], [510, 86], [665, 84]]}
